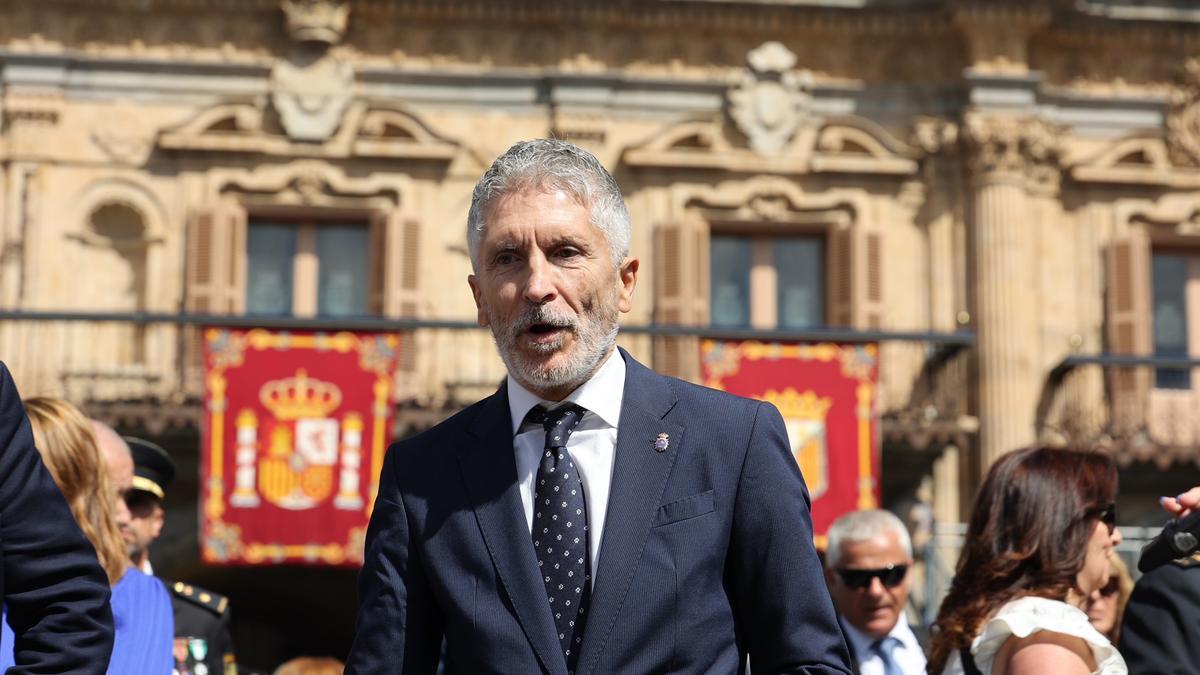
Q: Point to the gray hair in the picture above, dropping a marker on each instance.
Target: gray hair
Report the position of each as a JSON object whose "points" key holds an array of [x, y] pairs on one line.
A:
{"points": [[551, 164], [859, 526]]}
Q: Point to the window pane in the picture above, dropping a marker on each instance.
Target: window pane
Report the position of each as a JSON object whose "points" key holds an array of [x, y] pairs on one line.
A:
{"points": [[730, 281], [800, 274], [270, 248], [343, 256], [1170, 317]]}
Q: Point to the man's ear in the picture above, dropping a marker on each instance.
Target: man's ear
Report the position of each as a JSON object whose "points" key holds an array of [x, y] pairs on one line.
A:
{"points": [[480, 315], [627, 274]]}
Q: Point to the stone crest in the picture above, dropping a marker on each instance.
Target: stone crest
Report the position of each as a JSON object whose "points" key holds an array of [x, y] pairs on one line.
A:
{"points": [[319, 21], [312, 88], [1183, 118], [772, 100]]}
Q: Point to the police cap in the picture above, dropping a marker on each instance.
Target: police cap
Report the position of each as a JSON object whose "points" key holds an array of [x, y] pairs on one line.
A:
{"points": [[153, 468]]}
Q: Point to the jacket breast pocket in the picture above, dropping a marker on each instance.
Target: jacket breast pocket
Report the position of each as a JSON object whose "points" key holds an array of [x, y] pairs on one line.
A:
{"points": [[683, 509]]}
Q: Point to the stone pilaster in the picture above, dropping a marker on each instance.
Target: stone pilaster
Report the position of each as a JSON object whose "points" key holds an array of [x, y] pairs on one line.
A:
{"points": [[1012, 162]]}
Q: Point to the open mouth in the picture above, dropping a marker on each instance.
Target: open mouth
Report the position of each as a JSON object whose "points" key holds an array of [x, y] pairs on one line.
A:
{"points": [[543, 332]]}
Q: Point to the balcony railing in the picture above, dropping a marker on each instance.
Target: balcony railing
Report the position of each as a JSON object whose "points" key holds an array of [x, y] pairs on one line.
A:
{"points": [[153, 359]]}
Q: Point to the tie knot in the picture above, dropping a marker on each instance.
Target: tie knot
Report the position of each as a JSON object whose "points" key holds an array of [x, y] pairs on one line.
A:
{"points": [[558, 423], [884, 647]]}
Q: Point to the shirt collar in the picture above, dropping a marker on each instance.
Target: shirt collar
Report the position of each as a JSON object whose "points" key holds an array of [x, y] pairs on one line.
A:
{"points": [[861, 643], [602, 394]]}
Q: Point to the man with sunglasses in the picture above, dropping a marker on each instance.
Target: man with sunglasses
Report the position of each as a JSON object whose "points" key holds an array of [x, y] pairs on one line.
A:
{"points": [[866, 567]]}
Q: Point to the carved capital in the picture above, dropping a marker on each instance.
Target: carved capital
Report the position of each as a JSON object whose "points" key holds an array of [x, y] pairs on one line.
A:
{"points": [[1014, 146], [1183, 117]]}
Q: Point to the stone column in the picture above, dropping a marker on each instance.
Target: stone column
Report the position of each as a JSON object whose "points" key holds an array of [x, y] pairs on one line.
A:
{"points": [[1011, 160]]}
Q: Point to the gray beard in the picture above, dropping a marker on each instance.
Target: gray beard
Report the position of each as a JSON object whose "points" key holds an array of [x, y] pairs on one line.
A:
{"points": [[594, 338]]}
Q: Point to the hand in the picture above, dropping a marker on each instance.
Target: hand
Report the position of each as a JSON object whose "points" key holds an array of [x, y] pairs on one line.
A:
{"points": [[1183, 504]]}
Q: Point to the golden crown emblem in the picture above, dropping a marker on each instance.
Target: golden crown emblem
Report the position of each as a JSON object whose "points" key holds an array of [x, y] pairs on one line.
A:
{"points": [[300, 397], [794, 405]]}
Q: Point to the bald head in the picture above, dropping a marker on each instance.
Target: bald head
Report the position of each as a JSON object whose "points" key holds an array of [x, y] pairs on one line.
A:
{"points": [[116, 455]]}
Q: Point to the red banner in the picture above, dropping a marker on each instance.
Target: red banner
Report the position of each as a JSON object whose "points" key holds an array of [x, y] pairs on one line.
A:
{"points": [[827, 395], [295, 429]]}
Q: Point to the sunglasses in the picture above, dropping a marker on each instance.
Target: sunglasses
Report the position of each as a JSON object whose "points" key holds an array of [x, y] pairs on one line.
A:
{"points": [[1112, 587], [1106, 515], [889, 576]]}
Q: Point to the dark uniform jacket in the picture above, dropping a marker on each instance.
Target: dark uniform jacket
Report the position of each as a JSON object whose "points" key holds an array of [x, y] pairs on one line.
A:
{"points": [[56, 594], [203, 645], [1160, 634]]}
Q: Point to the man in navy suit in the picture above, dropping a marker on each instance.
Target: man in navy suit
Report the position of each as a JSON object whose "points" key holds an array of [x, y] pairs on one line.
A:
{"points": [[591, 516], [55, 594]]}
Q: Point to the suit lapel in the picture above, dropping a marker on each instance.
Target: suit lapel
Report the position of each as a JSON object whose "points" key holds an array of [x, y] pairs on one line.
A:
{"points": [[490, 472], [640, 474]]}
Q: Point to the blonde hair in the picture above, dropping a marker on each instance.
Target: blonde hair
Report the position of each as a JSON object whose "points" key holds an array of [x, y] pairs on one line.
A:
{"points": [[1118, 570], [311, 665], [68, 447]]}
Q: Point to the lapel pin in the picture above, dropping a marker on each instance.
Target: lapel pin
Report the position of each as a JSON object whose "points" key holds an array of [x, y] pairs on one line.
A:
{"points": [[662, 442]]}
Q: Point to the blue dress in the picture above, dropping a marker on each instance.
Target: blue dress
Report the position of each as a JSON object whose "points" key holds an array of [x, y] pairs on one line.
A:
{"points": [[145, 628]]}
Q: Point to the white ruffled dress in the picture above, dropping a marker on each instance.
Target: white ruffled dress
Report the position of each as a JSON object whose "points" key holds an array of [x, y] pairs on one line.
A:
{"points": [[1026, 616]]}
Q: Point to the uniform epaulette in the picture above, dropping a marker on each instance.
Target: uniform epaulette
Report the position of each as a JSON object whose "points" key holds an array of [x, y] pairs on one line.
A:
{"points": [[214, 602], [1190, 561]]}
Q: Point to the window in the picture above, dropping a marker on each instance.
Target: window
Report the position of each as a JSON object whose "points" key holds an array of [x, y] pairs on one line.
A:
{"points": [[1175, 278], [307, 269], [767, 281]]}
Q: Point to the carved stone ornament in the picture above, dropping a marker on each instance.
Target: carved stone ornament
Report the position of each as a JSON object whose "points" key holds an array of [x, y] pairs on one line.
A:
{"points": [[771, 101], [1183, 118], [320, 21], [311, 97], [1018, 145], [117, 132]]}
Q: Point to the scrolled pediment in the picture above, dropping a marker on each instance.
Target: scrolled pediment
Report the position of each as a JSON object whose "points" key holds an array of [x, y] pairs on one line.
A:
{"points": [[379, 132], [1142, 159], [858, 145], [852, 145], [221, 127]]}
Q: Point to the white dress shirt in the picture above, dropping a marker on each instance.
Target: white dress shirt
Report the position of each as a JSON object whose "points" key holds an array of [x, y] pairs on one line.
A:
{"points": [[908, 655], [592, 445]]}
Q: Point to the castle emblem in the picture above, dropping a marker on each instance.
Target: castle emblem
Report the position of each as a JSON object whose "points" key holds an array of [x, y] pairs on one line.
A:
{"points": [[804, 416], [292, 462]]}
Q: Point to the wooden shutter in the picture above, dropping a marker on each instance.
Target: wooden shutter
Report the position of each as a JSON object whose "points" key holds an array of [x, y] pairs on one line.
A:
{"points": [[216, 260], [1128, 322], [680, 294], [216, 274], [872, 297], [854, 274], [377, 263], [409, 290]]}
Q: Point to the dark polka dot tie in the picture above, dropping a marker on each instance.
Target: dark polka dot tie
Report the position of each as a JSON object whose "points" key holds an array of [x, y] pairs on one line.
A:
{"points": [[560, 531]]}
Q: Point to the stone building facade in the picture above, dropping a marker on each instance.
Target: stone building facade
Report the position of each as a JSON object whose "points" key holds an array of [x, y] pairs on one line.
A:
{"points": [[1026, 172]]}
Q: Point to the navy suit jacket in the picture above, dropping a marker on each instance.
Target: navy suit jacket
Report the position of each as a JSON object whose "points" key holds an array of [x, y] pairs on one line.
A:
{"points": [[706, 556], [56, 594]]}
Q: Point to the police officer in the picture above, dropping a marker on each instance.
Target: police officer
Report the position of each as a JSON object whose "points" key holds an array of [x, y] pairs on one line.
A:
{"points": [[203, 645]]}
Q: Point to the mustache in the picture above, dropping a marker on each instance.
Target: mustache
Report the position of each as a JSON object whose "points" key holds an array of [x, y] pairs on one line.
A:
{"points": [[543, 314]]}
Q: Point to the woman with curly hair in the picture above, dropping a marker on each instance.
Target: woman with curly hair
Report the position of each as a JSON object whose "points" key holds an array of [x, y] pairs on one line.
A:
{"points": [[1038, 544], [141, 608]]}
